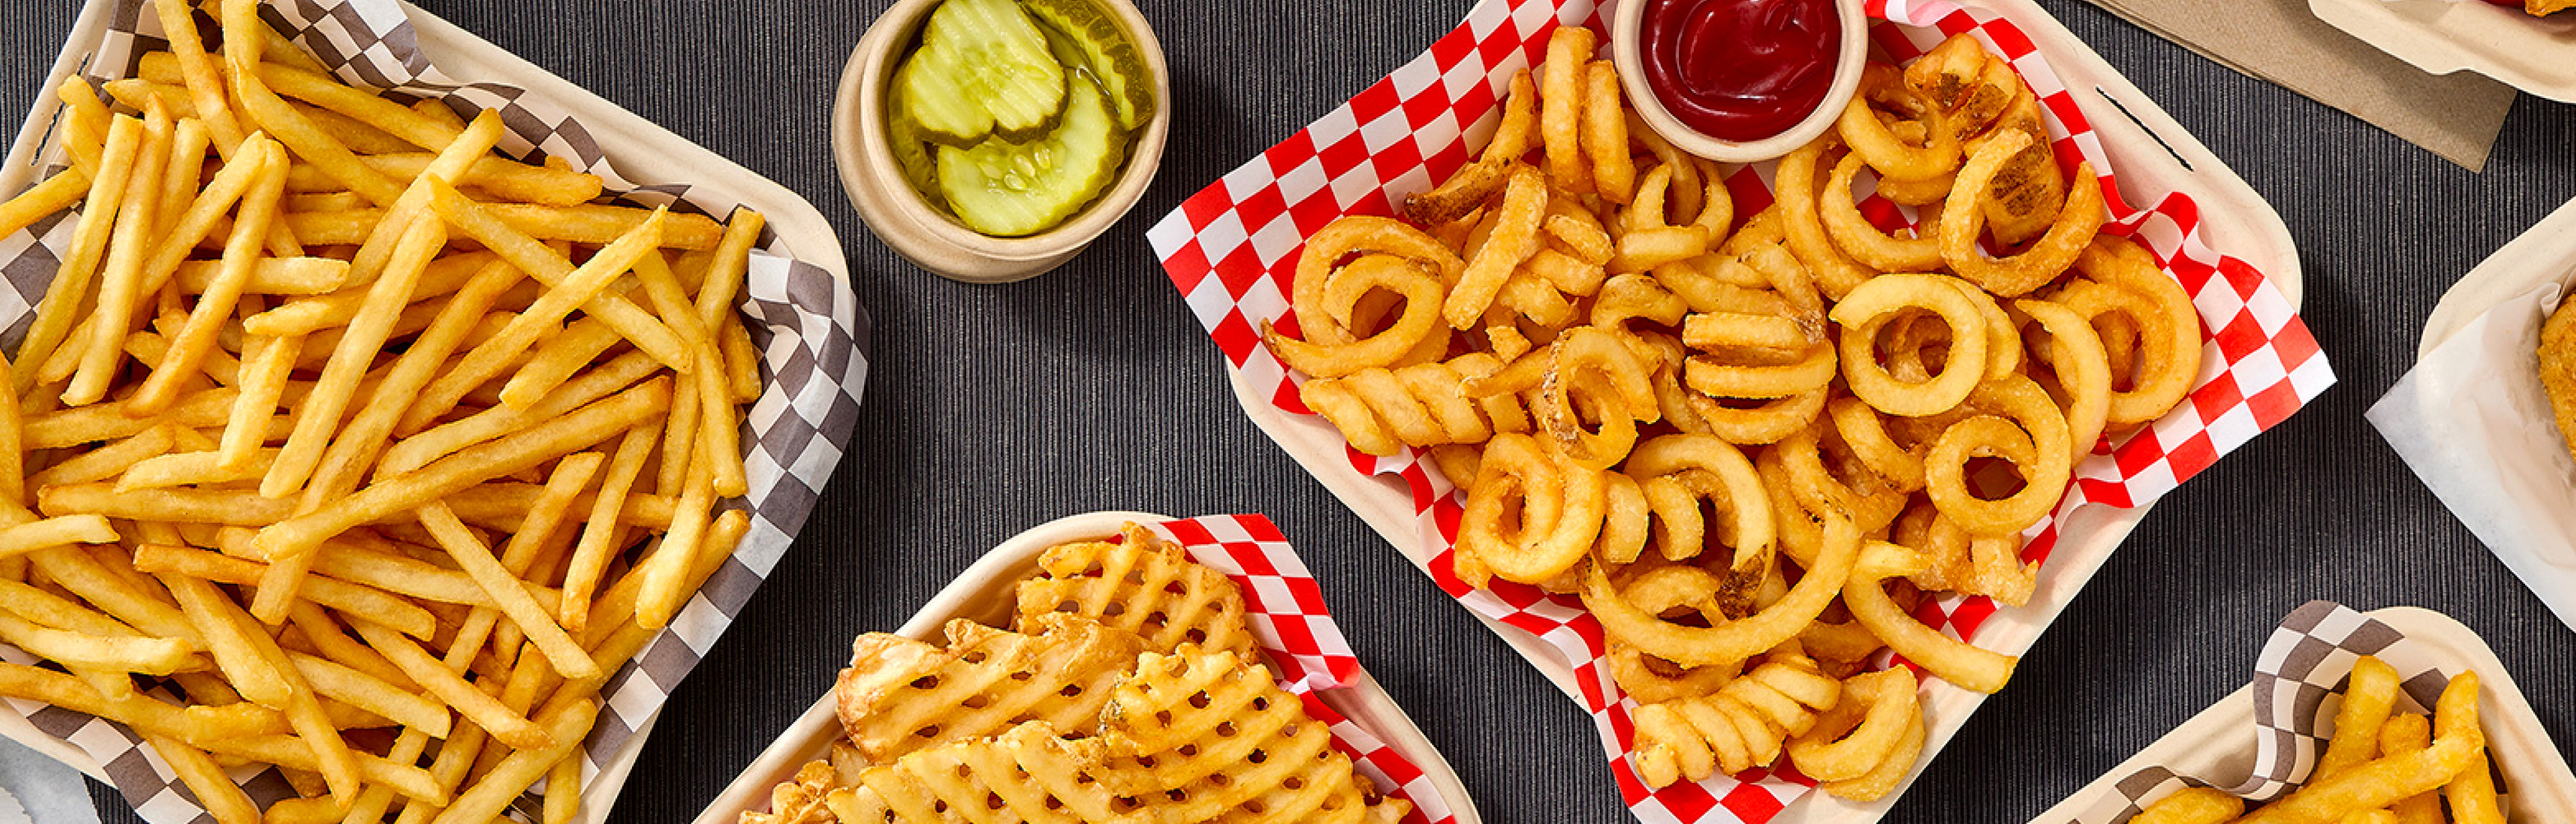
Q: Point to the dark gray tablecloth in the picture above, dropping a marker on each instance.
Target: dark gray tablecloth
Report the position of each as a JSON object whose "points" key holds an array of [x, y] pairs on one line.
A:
{"points": [[991, 409]]}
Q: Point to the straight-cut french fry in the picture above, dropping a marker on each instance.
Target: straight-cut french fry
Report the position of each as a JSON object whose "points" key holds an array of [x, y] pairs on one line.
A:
{"points": [[507, 592], [532, 256], [202, 78], [598, 537], [121, 276], [236, 507], [273, 276], [54, 532], [367, 692], [81, 575], [487, 359], [149, 656], [230, 642], [419, 450], [515, 773], [56, 314], [665, 576], [282, 122], [530, 447], [106, 462], [558, 359], [214, 308], [215, 791], [482, 709], [263, 382], [346, 596], [321, 413], [62, 191]]}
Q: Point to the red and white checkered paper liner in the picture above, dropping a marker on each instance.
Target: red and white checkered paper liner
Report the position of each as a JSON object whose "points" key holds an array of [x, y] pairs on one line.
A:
{"points": [[1287, 613], [1231, 250]]}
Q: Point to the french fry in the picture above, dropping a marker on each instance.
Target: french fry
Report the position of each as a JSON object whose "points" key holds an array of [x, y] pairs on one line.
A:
{"points": [[489, 796], [421, 449], [54, 532], [372, 694], [742, 360], [598, 537], [56, 313], [665, 576], [215, 791], [493, 230], [81, 575], [557, 359], [482, 709], [86, 125], [282, 122], [507, 592], [46, 608], [563, 790], [679, 440], [309, 810], [236, 507], [498, 177], [198, 725], [487, 360], [62, 191], [272, 276], [190, 346], [321, 413], [293, 753], [190, 468], [352, 597], [181, 173], [303, 317], [202, 79], [149, 656], [265, 375], [230, 642], [106, 462]]}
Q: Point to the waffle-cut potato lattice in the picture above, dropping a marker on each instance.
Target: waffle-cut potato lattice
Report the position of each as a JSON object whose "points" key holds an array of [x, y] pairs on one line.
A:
{"points": [[1145, 585], [1203, 735], [1029, 774], [900, 695]]}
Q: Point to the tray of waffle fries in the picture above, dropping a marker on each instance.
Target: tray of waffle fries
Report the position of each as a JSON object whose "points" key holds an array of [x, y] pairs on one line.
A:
{"points": [[1609, 400], [2399, 712], [1112, 667], [392, 424]]}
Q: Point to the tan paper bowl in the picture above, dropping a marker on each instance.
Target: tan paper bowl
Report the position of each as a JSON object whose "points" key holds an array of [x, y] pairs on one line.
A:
{"points": [[984, 593], [1625, 53], [935, 241], [2218, 744]]}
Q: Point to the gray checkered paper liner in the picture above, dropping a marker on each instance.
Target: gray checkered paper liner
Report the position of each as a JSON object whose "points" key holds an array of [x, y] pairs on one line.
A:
{"points": [[808, 324], [2297, 683]]}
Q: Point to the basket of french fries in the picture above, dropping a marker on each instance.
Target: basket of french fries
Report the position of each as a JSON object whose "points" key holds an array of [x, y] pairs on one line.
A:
{"points": [[1718, 447], [372, 446], [2398, 715], [1108, 667]]}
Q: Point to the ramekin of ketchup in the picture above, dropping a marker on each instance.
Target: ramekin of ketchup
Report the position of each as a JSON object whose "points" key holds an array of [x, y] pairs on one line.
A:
{"points": [[1739, 80]]}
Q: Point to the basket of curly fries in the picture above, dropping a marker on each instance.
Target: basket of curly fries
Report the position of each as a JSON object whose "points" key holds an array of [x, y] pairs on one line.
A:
{"points": [[1108, 667], [371, 448], [1773, 468], [2394, 716]]}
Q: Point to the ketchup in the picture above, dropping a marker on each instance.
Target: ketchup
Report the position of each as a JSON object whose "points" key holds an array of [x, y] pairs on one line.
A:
{"points": [[1740, 69]]}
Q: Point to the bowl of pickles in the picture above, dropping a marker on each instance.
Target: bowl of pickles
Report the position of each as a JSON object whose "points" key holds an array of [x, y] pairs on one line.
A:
{"points": [[991, 140]]}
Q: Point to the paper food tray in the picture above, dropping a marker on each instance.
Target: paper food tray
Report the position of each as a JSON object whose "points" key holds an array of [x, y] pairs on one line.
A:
{"points": [[2534, 54], [2218, 745], [984, 593], [2149, 152], [2545, 253], [645, 152]]}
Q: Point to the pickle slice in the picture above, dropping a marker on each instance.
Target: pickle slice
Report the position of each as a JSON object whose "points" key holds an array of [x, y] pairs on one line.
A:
{"points": [[1008, 189], [912, 155], [983, 67], [1112, 58]]}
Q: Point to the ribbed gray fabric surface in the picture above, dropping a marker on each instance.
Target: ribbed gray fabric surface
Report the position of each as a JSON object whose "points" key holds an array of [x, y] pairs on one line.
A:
{"points": [[991, 409]]}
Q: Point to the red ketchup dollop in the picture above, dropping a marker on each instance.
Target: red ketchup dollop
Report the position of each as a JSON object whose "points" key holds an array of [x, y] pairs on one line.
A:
{"points": [[1740, 69]]}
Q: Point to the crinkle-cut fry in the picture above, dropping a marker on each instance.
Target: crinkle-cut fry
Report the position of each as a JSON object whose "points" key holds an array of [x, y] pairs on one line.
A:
{"points": [[493, 355], [446, 439], [899, 695], [198, 337], [1145, 585], [507, 592], [535, 445], [61, 307], [599, 532]]}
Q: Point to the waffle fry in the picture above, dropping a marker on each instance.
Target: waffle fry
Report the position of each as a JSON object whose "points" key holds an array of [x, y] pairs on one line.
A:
{"points": [[1029, 773], [1142, 584], [800, 800], [901, 695], [1218, 740]]}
